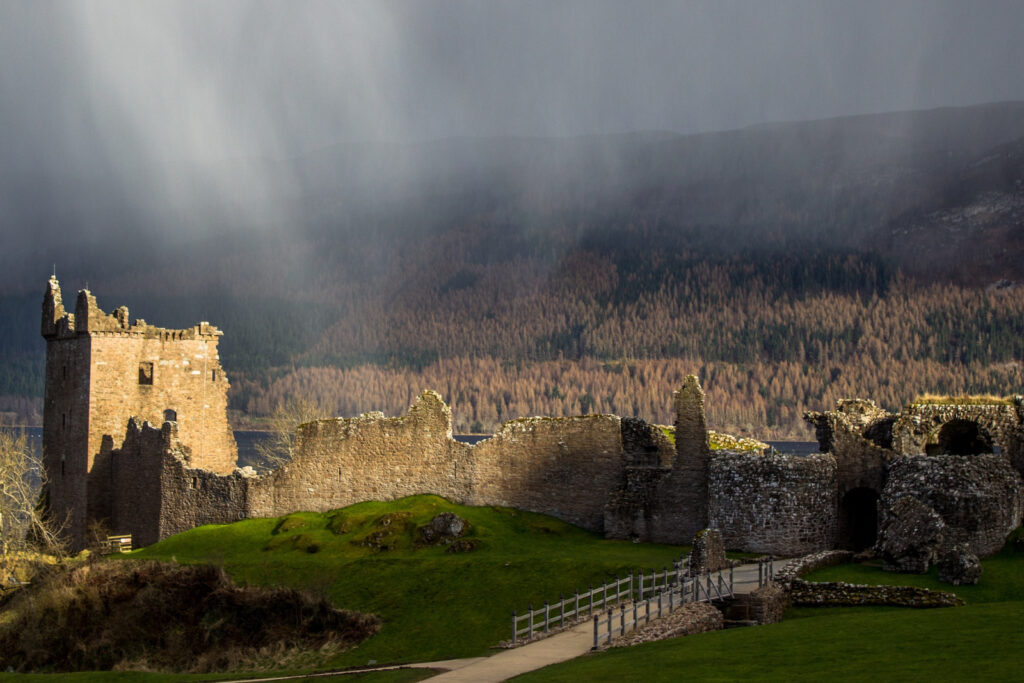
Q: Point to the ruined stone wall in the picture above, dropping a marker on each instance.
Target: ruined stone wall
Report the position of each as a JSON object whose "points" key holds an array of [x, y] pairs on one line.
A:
{"points": [[780, 504], [917, 426], [564, 467], [684, 494], [979, 497], [155, 494], [344, 461], [859, 434], [136, 484], [192, 497]]}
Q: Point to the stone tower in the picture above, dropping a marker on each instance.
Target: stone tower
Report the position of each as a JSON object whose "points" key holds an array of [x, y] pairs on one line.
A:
{"points": [[102, 370]]}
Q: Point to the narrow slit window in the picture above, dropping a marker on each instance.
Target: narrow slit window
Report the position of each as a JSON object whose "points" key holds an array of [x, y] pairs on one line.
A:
{"points": [[146, 373]]}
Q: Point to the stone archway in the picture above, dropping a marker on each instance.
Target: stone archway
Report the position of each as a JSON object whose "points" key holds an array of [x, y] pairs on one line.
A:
{"points": [[859, 518], [962, 437]]}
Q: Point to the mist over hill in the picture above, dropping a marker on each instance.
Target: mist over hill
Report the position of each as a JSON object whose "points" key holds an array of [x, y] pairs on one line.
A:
{"points": [[789, 264]]}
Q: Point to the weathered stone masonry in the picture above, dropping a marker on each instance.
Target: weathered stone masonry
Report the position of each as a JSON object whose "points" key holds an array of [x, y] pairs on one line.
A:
{"points": [[102, 369], [621, 476]]}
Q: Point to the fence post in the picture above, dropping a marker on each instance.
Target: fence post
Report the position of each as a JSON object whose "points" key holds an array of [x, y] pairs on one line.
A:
{"points": [[636, 621], [561, 609], [730, 580], [771, 567], [622, 622], [670, 605], [609, 627], [547, 612], [591, 605], [576, 608], [760, 568], [595, 631], [696, 588], [514, 627], [530, 635], [641, 584], [709, 586]]}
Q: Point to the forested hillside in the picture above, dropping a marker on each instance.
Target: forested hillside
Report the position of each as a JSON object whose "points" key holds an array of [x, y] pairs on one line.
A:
{"points": [[786, 265]]}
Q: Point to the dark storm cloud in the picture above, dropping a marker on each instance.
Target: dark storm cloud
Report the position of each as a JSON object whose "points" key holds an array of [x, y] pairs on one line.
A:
{"points": [[159, 108]]}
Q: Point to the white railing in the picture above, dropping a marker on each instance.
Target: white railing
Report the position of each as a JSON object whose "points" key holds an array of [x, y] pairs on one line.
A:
{"points": [[570, 610], [618, 621]]}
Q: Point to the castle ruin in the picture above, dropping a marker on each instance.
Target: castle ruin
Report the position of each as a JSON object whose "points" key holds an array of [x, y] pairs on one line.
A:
{"points": [[109, 382], [102, 369]]}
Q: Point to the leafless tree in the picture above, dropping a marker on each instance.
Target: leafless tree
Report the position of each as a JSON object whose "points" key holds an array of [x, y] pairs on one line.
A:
{"points": [[26, 527], [278, 448]]}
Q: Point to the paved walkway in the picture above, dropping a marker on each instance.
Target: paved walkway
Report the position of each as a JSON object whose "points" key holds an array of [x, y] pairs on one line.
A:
{"points": [[560, 647]]}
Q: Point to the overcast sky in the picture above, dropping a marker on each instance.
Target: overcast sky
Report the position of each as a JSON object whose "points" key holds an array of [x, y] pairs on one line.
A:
{"points": [[120, 88]]}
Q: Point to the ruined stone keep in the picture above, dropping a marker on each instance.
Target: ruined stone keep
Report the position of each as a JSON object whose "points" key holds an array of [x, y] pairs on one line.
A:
{"points": [[100, 370], [110, 381]]}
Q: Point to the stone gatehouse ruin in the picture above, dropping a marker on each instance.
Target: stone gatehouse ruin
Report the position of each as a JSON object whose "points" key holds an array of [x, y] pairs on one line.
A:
{"points": [[109, 382]]}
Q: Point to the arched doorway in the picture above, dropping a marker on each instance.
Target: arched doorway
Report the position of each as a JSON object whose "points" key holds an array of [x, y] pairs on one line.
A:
{"points": [[859, 516], [962, 437]]}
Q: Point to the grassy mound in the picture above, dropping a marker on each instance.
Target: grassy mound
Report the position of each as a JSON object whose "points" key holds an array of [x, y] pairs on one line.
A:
{"points": [[436, 601], [165, 617]]}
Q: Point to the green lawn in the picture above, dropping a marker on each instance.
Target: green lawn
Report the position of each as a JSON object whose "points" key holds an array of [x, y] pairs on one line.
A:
{"points": [[434, 605], [1002, 578], [980, 641], [976, 642]]}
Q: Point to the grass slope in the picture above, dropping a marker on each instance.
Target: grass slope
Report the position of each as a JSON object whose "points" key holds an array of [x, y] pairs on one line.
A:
{"points": [[979, 641], [434, 605]]}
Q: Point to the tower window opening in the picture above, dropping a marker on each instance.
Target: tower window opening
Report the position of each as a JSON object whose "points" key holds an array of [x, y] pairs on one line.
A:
{"points": [[146, 373]]}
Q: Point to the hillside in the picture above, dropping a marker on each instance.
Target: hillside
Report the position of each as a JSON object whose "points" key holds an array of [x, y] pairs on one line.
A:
{"points": [[787, 265]]}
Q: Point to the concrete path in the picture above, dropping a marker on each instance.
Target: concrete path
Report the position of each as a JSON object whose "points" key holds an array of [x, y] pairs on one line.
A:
{"points": [[560, 647]]}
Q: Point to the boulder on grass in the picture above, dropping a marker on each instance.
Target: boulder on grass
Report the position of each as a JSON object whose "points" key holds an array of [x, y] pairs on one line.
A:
{"points": [[443, 529], [958, 565]]}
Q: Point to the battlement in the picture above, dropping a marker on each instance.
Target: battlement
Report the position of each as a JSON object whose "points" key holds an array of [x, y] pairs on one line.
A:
{"points": [[90, 319]]}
